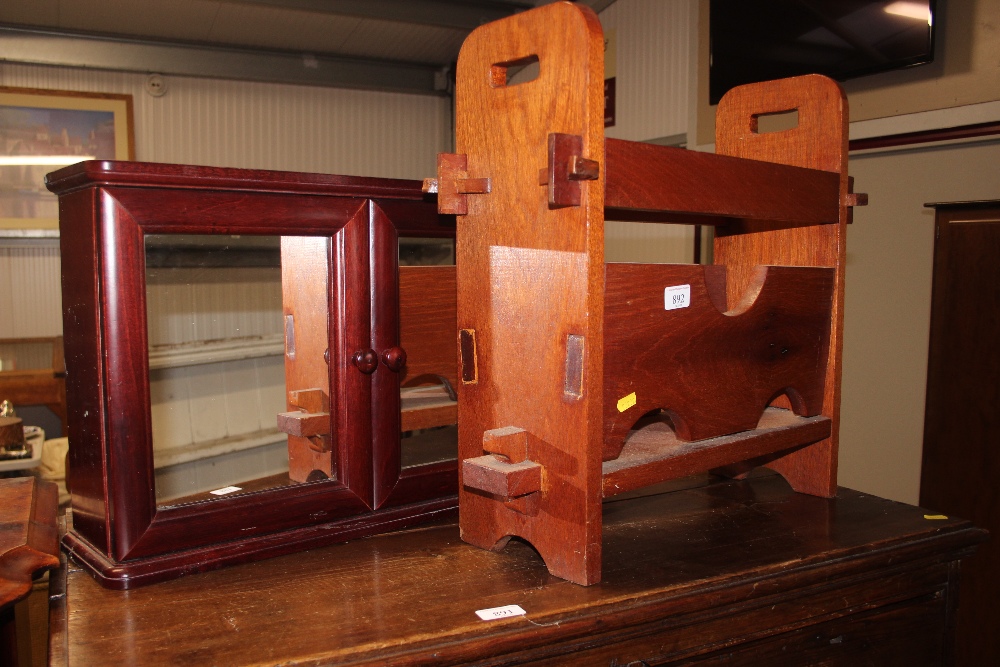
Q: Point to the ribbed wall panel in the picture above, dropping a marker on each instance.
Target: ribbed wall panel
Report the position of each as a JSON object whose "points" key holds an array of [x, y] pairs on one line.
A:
{"points": [[230, 124], [267, 126], [25, 357], [652, 63], [30, 292], [652, 67], [186, 305]]}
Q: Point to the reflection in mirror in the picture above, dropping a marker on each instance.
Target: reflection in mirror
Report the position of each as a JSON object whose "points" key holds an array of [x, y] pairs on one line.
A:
{"points": [[428, 326], [216, 365], [426, 252], [27, 354]]}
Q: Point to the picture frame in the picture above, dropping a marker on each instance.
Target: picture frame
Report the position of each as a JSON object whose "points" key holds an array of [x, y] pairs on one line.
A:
{"points": [[44, 130]]}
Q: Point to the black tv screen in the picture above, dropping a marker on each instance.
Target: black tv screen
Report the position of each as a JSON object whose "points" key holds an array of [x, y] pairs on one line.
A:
{"points": [[757, 40]]}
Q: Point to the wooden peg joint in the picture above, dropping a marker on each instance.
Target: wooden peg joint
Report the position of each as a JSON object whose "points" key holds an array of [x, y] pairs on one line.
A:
{"points": [[304, 424], [311, 420], [566, 168], [310, 400], [453, 184], [856, 199], [491, 474], [509, 442], [473, 186], [582, 169], [506, 470]]}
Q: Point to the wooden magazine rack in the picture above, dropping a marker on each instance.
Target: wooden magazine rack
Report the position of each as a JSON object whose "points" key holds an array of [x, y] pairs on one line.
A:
{"points": [[579, 380]]}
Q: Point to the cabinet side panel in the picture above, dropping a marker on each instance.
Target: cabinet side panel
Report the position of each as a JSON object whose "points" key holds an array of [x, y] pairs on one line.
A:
{"points": [[84, 365]]}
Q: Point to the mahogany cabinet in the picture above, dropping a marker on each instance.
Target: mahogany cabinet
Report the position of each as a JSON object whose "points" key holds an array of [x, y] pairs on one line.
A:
{"points": [[341, 346], [725, 573]]}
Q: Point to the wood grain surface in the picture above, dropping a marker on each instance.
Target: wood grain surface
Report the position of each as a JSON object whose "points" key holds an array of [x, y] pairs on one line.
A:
{"points": [[726, 573], [305, 302], [530, 276], [714, 372], [663, 179], [29, 545], [818, 141], [530, 264], [653, 452], [427, 322], [29, 542]]}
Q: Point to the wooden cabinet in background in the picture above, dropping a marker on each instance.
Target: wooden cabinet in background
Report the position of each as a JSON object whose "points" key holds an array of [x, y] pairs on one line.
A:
{"points": [[961, 459]]}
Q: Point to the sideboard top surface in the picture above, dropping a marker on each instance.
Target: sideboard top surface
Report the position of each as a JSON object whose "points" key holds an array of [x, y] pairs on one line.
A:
{"points": [[412, 596]]}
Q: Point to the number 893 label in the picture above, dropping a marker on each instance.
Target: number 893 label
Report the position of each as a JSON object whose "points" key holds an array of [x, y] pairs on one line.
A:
{"points": [[678, 296], [500, 612]]}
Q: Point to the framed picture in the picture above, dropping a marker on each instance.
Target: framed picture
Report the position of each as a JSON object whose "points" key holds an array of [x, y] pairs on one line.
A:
{"points": [[45, 130]]}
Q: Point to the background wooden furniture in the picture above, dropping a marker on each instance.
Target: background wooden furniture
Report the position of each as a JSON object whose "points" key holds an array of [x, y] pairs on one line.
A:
{"points": [[29, 545], [39, 375], [961, 461], [577, 381], [350, 228], [737, 572]]}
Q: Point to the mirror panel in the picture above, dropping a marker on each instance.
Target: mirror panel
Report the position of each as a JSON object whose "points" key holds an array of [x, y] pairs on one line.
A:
{"points": [[419, 251], [216, 365], [427, 308]]}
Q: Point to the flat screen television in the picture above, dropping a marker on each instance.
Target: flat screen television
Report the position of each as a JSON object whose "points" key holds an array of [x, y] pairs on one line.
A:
{"points": [[757, 40]]}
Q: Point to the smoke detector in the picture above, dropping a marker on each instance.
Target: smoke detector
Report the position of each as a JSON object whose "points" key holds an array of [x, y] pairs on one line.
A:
{"points": [[156, 85]]}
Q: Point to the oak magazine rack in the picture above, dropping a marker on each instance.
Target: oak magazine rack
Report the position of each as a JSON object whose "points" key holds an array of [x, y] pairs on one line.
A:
{"points": [[581, 379]]}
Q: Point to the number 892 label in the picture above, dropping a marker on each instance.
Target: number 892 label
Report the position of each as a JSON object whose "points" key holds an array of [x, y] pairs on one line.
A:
{"points": [[678, 296]]}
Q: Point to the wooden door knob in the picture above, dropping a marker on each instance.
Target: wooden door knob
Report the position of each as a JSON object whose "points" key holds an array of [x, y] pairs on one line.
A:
{"points": [[394, 358], [366, 361]]}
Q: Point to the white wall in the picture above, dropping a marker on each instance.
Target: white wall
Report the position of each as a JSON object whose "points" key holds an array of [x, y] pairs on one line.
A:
{"points": [[216, 376], [652, 50], [30, 290]]}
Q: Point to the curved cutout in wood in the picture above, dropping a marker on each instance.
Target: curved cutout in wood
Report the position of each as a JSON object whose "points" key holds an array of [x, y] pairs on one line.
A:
{"points": [[716, 370]]}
